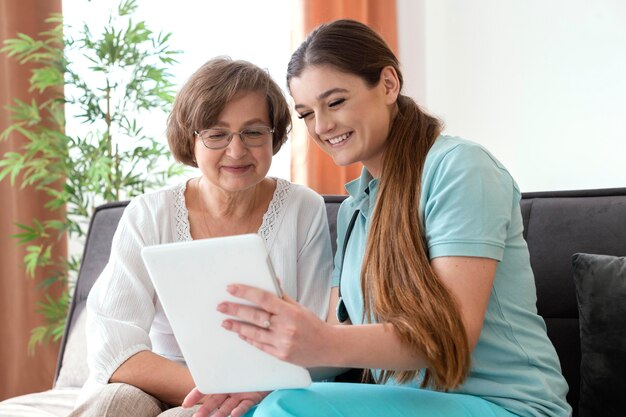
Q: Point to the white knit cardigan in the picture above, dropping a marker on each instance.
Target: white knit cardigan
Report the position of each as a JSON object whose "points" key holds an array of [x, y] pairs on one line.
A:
{"points": [[124, 313]]}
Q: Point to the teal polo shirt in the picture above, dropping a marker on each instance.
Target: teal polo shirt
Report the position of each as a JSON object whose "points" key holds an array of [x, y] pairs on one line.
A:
{"points": [[470, 207]]}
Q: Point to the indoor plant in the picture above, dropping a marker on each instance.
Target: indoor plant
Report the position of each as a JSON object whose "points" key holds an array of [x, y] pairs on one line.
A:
{"points": [[108, 81]]}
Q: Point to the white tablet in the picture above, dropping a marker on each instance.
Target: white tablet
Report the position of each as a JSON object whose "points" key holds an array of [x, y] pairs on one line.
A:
{"points": [[190, 279]]}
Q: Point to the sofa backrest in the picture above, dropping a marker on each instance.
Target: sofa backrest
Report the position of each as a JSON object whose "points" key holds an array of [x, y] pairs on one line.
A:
{"points": [[95, 256], [556, 225]]}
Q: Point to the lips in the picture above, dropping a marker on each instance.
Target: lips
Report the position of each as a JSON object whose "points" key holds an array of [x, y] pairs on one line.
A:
{"points": [[236, 168]]}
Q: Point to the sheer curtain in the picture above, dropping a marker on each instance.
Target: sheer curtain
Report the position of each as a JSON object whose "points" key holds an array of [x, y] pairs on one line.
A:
{"points": [[19, 372], [309, 164]]}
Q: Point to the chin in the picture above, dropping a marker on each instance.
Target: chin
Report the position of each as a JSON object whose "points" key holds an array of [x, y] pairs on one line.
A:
{"points": [[343, 162], [239, 184]]}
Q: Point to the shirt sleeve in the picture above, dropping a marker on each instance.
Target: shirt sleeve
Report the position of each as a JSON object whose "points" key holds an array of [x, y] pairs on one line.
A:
{"points": [[469, 203], [121, 305], [314, 264]]}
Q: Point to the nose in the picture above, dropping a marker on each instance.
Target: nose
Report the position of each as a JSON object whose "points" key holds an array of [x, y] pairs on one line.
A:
{"points": [[236, 149], [323, 124]]}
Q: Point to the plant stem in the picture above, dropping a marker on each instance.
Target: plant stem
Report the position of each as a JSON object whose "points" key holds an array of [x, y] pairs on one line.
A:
{"points": [[118, 176], [108, 138]]}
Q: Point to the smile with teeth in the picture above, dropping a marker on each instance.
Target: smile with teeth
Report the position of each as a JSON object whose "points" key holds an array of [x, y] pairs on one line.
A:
{"points": [[339, 139]]}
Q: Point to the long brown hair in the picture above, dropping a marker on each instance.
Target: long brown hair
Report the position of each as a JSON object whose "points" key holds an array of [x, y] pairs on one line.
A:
{"points": [[398, 283]]}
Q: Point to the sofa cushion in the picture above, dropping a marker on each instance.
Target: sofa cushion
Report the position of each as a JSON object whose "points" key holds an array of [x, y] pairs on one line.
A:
{"points": [[600, 282], [74, 370], [58, 402]]}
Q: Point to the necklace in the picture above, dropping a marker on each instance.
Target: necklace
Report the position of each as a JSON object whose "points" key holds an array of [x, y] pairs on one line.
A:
{"points": [[203, 211]]}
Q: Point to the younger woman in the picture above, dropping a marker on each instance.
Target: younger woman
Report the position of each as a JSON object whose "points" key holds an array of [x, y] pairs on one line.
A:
{"points": [[431, 264]]}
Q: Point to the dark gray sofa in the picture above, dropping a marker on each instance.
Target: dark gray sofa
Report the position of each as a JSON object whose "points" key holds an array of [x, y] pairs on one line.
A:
{"points": [[557, 225]]}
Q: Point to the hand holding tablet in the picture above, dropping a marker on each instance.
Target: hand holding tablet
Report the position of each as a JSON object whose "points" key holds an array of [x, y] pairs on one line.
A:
{"points": [[190, 279]]}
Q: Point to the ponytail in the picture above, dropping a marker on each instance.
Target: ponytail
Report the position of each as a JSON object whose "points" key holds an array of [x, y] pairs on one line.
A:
{"points": [[397, 278]]}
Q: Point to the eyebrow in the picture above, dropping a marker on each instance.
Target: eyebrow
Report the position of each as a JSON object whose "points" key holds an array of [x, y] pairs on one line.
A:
{"points": [[324, 95], [247, 123]]}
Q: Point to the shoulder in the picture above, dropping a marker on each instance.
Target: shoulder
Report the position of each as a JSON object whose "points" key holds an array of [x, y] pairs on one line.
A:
{"points": [[299, 194], [454, 156], [155, 203], [455, 150]]}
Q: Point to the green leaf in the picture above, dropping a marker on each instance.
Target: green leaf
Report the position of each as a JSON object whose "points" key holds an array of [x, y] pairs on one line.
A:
{"points": [[127, 7], [38, 336], [11, 165], [28, 234], [55, 224], [46, 77], [57, 330], [48, 282], [36, 256]]}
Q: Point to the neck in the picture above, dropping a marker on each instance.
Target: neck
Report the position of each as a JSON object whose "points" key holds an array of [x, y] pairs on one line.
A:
{"points": [[215, 215], [219, 204], [374, 166]]}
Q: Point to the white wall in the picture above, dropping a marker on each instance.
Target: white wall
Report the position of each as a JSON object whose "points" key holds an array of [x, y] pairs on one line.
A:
{"points": [[542, 84]]}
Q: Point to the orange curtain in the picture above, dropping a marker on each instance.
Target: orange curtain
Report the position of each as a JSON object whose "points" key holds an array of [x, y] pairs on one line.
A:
{"points": [[19, 372], [309, 164]]}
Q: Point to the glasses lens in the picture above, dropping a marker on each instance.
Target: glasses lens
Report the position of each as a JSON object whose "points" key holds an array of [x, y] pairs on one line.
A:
{"points": [[215, 138], [256, 136]]}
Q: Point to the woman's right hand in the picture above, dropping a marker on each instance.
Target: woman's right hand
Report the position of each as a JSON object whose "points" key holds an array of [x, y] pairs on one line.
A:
{"points": [[281, 327], [224, 405]]}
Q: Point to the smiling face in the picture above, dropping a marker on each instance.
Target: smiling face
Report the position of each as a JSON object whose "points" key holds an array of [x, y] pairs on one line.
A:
{"points": [[348, 119], [237, 167]]}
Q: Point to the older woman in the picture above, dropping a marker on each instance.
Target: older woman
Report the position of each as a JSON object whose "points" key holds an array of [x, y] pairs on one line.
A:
{"points": [[228, 120]]}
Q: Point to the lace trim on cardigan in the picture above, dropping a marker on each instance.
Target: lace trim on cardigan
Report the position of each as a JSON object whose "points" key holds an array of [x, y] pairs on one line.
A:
{"points": [[270, 219], [183, 230]]}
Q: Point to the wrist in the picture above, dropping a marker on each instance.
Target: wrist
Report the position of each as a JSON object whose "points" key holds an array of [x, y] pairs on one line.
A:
{"points": [[333, 346]]}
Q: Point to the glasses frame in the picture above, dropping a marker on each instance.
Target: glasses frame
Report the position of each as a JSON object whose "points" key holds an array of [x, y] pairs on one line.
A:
{"points": [[231, 135]]}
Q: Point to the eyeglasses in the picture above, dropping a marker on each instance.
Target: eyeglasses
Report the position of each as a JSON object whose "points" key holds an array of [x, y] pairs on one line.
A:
{"points": [[252, 136]]}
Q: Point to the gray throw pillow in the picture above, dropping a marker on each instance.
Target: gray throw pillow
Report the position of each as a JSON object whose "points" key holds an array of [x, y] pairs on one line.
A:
{"points": [[600, 282]]}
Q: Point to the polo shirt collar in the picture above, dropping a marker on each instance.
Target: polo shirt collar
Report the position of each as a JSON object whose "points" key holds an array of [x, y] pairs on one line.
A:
{"points": [[362, 189]]}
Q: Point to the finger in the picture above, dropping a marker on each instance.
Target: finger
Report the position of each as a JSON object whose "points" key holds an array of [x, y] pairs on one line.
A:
{"points": [[202, 412], [250, 314], [227, 406], [250, 331], [214, 401], [192, 398], [242, 408], [272, 350], [268, 301], [288, 299]]}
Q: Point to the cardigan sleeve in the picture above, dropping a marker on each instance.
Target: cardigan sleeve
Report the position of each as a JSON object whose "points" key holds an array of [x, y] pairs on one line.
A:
{"points": [[121, 305], [314, 258]]}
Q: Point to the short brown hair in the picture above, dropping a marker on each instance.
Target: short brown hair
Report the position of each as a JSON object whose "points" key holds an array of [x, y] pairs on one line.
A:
{"points": [[203, 97]]}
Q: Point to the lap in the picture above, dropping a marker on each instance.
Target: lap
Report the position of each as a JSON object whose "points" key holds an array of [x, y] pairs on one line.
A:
{"points": [[362, 400], [120, 400]]}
